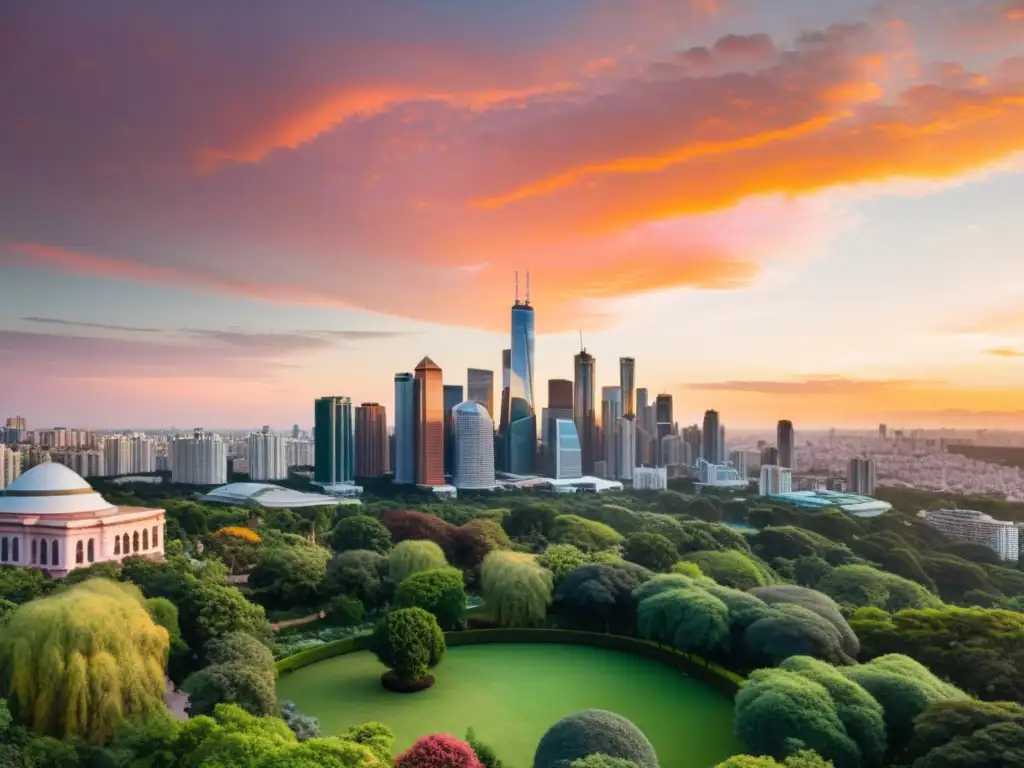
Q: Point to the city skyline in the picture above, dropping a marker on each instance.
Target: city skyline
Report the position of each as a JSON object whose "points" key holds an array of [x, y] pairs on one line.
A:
{"points": [[800, 212]]}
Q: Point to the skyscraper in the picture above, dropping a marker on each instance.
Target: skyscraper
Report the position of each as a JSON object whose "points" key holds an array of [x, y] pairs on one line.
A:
{"points": [[480, 388], [584, 408], [663, 423], [430, 426], [199, 460], [334, 454], [627, 383], [627, 448], [693, 439], [474, 447], [521, 436], [506, 380], [784, 441], [371, 440], [406, 427], [452, 397], [566, 456], [560, 397], [721, 444], [611, 412], [267, 461], [710, 449], [644, 434], [560, 394], [769, 456], [861, 477]]}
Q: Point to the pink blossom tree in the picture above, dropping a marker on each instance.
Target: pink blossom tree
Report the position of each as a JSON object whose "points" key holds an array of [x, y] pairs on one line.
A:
{"points": [[438, 750]]}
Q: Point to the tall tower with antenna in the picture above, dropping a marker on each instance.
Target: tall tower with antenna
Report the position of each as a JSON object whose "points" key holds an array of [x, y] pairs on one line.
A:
{"points": [[520, 448]]}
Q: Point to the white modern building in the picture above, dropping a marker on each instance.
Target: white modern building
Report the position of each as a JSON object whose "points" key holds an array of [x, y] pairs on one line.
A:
{"points": [[719, 475], [473, 465], [775, 480], [650, 479], [143, 454], [87, 463], [1001, 536], [267, 457], [10, 466], [567, 453], [117, 456], [199, 460], [861, 477], [271, 497], [298, 452], [50, 518], [738, 459]]}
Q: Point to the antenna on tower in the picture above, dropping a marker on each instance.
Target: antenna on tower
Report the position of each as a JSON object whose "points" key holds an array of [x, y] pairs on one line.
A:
{"points": [[527, 287], [517, 287], [582, 348]]}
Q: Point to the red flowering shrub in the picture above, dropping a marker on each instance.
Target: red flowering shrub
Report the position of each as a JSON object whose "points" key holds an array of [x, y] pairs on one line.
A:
{"points": [[419, 525], [439, 750]]}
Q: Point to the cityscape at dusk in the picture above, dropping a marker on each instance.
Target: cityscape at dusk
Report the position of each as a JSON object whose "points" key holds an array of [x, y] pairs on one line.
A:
{"points": [[803, 210]]}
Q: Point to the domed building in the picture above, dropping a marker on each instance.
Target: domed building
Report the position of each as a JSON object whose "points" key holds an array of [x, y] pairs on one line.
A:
{"points": [[50, 518]]}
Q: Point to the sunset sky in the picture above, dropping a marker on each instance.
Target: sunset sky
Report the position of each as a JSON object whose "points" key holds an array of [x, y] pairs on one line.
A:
{"points": [[212, 213]]}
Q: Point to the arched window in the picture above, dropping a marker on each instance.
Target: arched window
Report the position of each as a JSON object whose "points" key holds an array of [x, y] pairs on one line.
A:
{"points": [[16, 555], [3, 549], [135, 542], [43, 552], [154, 536], [54, 557], [35, 547], [145, 538], [79, 554], [91, 551], [124, 545], [117, 545]]}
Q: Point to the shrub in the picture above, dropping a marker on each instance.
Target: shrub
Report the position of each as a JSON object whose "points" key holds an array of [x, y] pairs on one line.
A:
{"points": [[438, 750], [345, 611], [439, 591], [475, 539], [412, 556], [360, 532], [408, 641], [859, 586], [484, 753], [562, 559], [359, 573], [517, 591], [651, 550], [593, 731], [815, 601], [303, 726], [585, 534], [600, 596], [733, 569], [405, 525], [688, 619], [377, 737]]}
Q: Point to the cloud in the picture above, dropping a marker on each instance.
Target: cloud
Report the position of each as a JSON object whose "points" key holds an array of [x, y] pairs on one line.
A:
{"points": [[997, 322], [1004, 352], [815, 386], [85, 324]]}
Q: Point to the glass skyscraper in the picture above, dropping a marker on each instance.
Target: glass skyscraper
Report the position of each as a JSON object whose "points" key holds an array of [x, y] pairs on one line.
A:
{"points": [[429, 424], [452, 397], [584, 408], [480, 388], [521, 436], [784, 441], [334, 451], [406, 407], [627, 382]]}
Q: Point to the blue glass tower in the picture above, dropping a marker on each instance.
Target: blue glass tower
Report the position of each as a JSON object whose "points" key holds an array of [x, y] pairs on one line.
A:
{"points": [[521, 437]]}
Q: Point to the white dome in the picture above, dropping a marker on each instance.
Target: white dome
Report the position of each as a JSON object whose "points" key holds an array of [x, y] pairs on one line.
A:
{"points": [[51, 489]]}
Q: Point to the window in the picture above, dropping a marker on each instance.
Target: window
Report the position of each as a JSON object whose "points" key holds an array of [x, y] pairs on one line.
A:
{"points": [[3, 549], [55, 557], [34, 549], [135, 542], [117, 545], [42, 552], [154, 536], [91, 551], [79, 554], [16, 555], [145, 538], [124, 545]]}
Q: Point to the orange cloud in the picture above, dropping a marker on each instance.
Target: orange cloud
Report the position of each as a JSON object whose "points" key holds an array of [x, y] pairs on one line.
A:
{"points": [[1004, 352]]}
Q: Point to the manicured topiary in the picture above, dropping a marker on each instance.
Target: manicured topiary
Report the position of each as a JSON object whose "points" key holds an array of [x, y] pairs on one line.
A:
{"points": [[438, 590], [439, 750], [409, 642], [593, 731]]}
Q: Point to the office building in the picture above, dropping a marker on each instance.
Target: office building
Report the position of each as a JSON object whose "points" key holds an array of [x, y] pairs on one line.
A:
{"points": [[299, 452], [199, 460], [663, 422], [861, 476], [334, 458], [406, 425], [769, 456], [506, 381], [452, 397], [719, 475], [267, 457], [712, 434], [692, 438], [738, 460], [560, 400], [10, 465], [775, 480], [480, 388], [430, 426], [371, 440], [474, 447], [650, 479], [1001, 536], [584, 407], [784, 440], [627, 448], [627, 382], [641, 399], [567, 453], [670, 450], [520, 444], [611, 412]]}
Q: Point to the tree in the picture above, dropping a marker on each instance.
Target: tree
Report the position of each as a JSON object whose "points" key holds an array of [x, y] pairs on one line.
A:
{"points": [[19, 585], [358, 573], [805, 758], [209, 610], [704, 509], [439, 750], [686, 568], [732, 568], [517, 590], [377, 736], [562, 559], [408, 641], [818, 603], [106, 570], [688, 619], [530, 520], [589, 732], [588, 535], [236, 545], [405, 525], [861, 585], [78, 662], [600, 596], [240, 670], [602, 761], [651, 550], [962, 733], [411, 556], [439, 591], [360, 532], [345, 611], [165, 614], [792, 630], [286, 577], [788, 542]]}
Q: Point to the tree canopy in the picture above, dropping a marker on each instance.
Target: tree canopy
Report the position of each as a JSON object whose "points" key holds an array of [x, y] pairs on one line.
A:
{"points": [[600, 596], [408, 641], [733, 568], [517, 590], [414, 555], [651, 550], [588, 535], [589, 732], [288, 576], [360, 532], [439, 591]]}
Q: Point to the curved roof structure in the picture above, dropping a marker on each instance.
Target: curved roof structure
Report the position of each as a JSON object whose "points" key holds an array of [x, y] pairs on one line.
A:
{"points": [[267, 495], [851, 503], [51, 489]]}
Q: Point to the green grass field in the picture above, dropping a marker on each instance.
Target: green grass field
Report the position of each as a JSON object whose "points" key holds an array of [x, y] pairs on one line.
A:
{"points": [[511, 693]]}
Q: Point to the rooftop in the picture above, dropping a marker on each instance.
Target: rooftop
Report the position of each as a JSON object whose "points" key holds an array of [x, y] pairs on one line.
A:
{"points": [[267, 495], [850, 503], [51, 489]]}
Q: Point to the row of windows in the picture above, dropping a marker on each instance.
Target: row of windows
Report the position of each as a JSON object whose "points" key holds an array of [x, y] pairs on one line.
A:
{"points": [[47, 553]]}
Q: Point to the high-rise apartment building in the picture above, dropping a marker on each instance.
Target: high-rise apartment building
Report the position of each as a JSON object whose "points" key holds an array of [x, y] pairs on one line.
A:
{"points": [[784, 439], [1001, 536], [299, 452], [712, 433], [117, 456], [584, 408], [10, 465], [663, 422], [861, 476], [371, 440], [430, 425], [334, 455], [453, 395], [775, 480], [566, 457], [769, 456], [692, 438], [611, 412], [650, 479], [627, 383], [738, 460], [407, 401], [199, 460], [883, 432], [85, 462], [480, 388], [474, 447], [267, 458]]}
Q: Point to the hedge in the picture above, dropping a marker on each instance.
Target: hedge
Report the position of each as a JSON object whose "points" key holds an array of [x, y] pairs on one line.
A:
{"points": [[711, 674]]}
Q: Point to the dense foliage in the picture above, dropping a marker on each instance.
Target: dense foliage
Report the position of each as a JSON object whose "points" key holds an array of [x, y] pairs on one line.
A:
{"points": [[408, 641], [516, 588], [438, 750], [590, 732], [439, 591], [412, 556]]}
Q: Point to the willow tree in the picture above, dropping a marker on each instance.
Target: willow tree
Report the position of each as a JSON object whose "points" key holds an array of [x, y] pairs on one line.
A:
{"points": [[80, 661], [517, 591], [412, 556]]}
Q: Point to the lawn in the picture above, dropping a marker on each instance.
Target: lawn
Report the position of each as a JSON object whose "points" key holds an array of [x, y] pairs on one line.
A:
{"points": [[511, 693]]}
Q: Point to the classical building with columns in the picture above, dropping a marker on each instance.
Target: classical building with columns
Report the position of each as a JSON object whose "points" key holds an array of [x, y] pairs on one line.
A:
{"points": [[50, 518]]}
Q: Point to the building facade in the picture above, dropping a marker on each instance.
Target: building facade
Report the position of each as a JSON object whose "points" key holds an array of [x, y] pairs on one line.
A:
{"points": [[10, 465], [738, 460], [521, 437], [663, 423], [775, 480], [474, 447], [567, 454], [1001, 536], [585, 407], [611, 412], [371, 440], [861, 476], [334, 454], [453, 396], [711, 435], [430, 424], [627, 447], [650, 479], [199, 460], [627, 383], [267, 457], [480, 388], [406, 427], [784, 440]]}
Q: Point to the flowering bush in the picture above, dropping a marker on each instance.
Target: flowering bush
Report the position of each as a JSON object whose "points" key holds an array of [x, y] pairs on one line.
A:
{"points": [[240, 532], [439, 750]]}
